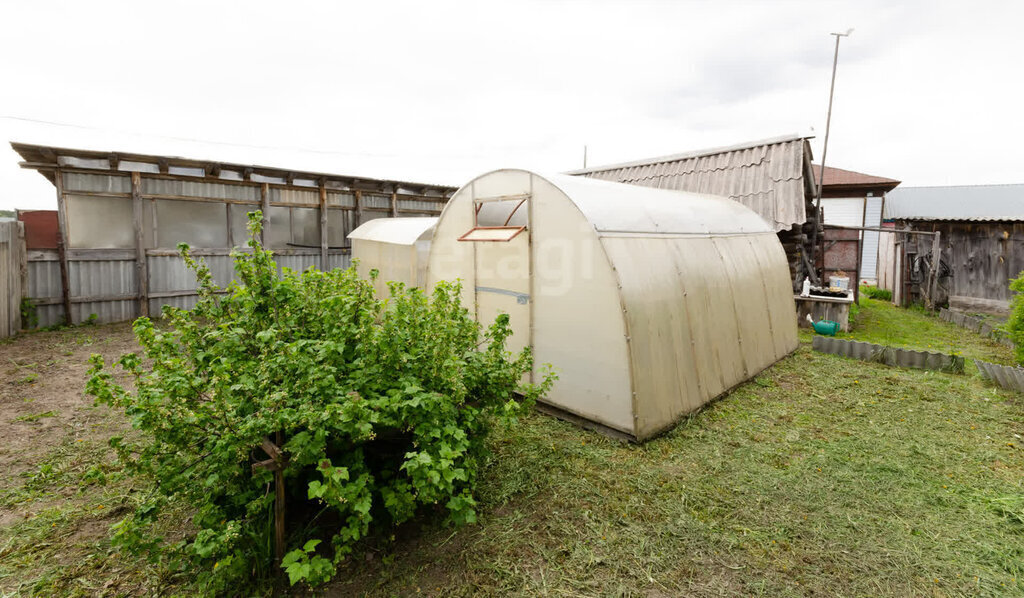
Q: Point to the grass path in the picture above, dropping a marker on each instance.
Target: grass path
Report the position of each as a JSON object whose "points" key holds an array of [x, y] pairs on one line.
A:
{"points": [[880, 322]]}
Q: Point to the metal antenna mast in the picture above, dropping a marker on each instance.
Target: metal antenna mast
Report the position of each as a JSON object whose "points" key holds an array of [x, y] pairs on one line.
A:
{"points": [[824, 150]]}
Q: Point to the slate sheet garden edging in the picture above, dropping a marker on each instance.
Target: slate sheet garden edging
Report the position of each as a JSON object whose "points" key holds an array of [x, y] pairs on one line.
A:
{"points": [[1007, 376], [975, 324], [894, 356]]}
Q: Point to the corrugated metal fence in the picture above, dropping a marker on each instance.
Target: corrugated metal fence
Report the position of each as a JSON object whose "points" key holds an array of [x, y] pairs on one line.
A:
{"points": [[12, 251], [105, 286]]}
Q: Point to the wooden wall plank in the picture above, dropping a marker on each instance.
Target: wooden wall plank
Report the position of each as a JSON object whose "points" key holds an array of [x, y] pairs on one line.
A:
{"points": [[141, 264], [323, 228], [62, 240]]}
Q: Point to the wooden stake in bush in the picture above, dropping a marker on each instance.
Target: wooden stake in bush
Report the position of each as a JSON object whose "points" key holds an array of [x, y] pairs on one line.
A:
{"points": [[276, 464]]}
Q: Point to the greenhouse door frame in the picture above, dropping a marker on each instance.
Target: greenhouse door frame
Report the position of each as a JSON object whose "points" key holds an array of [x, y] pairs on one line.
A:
{"points": [[503, 270]]}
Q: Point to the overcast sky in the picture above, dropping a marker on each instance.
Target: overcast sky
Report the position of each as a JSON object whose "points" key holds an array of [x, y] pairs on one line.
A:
{"points": [[928, 93]]}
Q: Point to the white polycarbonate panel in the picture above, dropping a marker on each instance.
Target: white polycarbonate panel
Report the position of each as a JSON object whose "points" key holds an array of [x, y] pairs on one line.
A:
{"points": [[614, 207], [280, 233], [771, 259], [578, 324], [99, 222], [703, 316], [198, 223], [503, 287], [393, 262], [512, 212], [240, 223], [305, 227], [451, 260], [402, 231]]}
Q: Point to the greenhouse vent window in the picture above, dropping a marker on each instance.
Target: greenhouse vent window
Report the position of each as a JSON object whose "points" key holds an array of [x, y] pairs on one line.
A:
{"points": [[492, 233]]}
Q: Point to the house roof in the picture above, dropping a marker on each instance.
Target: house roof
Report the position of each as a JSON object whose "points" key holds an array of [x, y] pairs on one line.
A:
{"points": [[839, 178], [46, 159], [770, 176], [964, 202]]}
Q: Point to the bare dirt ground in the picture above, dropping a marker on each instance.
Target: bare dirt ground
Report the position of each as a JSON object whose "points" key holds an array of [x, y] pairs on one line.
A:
{"points": [[54, 526], [42, 396]]}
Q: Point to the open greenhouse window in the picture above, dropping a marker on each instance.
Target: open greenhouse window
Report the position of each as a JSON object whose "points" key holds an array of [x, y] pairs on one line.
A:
{"points": [[498, 218], [492, 233]]}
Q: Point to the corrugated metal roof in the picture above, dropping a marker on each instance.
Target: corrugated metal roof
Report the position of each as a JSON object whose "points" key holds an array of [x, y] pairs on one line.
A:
{"points": [[46, 159], [966, 202], [767, 176]]}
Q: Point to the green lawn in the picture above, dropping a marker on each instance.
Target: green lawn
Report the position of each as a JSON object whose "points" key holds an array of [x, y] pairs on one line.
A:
{"points": [[822, 477], [913, 328]]}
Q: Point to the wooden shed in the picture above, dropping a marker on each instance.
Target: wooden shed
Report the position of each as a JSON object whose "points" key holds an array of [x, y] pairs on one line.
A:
{"points": [[110, 248], [981, 232]]}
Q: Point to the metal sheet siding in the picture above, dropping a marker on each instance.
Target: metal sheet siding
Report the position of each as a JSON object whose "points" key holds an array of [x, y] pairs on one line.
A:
{"points": [[376, 201], [169, 273], [869, 259], [97, 183], [845, 211], [297, 262], [967, 202], [767, 178], [184, 302], [44, 282], [200, 189], [114, 278]]}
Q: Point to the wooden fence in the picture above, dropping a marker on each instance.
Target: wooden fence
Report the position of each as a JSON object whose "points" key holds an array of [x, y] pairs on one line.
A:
{"points": [[12, 272]]}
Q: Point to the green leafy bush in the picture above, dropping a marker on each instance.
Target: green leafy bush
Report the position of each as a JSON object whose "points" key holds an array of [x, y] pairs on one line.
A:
{"points": [[1015, 323], [379, 409]]}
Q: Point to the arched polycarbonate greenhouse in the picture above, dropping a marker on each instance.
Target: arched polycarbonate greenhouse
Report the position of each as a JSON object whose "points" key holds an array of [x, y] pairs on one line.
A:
{"points": [[648, 303], [396, 247]]}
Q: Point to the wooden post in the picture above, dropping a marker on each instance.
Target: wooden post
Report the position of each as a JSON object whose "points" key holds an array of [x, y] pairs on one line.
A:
{"points": [[141, 267], [276, 463], [934, 274], [231, 233], [62, 252], [856, 274], [265, 208], [323, 227], [906, 269], [359, 208], [22, 270], [394, 203]]}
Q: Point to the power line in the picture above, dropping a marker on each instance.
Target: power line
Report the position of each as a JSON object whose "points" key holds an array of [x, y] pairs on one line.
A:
{"points": [[194, 140]]}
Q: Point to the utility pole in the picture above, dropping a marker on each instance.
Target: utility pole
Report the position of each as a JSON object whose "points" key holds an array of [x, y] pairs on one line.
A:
{"points": [[584, 156], [824, 151]]}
